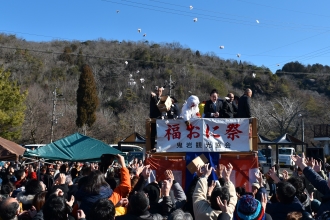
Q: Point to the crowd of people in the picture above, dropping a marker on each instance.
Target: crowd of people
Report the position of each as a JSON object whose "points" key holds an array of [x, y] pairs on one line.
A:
{"points": [[85, 191], [119, 190]]}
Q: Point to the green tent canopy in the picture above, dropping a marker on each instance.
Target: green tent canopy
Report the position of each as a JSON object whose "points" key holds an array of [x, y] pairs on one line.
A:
{"points": [[76, 147]]}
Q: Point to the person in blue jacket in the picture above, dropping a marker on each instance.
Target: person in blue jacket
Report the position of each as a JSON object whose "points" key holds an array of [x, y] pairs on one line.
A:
{"points": [[316, 180], [94, 189]]}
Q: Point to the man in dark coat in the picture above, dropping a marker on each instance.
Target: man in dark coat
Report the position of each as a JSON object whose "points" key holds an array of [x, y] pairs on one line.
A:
{"points": [[287, 202], [229, 109], [174, 112], [154, 113], [244, 105], [212, 108]]}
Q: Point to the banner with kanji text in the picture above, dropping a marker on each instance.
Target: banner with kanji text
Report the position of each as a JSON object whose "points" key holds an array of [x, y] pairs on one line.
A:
{"points": [[204, 135]]}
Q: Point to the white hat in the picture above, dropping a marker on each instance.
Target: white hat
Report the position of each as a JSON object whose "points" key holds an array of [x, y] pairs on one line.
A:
{"points": [[256, 185]]}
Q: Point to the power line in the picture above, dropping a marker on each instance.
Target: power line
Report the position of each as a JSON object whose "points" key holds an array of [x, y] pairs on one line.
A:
{"points": [[243, 68], [217, 12], [39, 35], [283, 9], [310, 57], [211, 17]]}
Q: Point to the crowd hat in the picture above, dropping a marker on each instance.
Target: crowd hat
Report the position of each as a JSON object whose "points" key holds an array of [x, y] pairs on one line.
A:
{"points": [[249, 208]]}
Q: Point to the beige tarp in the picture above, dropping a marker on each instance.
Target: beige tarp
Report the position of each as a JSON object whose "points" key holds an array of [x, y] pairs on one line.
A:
{"points": [[9, 151]]}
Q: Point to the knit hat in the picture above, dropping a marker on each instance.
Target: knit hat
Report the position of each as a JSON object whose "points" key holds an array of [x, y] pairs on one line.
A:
{"points": [[249, 208], [153, 192], [138, 203]]}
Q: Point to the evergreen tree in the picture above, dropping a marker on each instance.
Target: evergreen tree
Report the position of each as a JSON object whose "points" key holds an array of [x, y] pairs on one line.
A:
{"points": [[12, 107], [87, 99]]}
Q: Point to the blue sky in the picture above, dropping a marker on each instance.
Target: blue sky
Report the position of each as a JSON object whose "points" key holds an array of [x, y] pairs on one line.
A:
{"points": [[287, 30]]}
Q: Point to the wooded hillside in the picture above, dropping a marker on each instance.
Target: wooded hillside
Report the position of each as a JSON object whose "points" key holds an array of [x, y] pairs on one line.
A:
{"points": [[43, 67]]}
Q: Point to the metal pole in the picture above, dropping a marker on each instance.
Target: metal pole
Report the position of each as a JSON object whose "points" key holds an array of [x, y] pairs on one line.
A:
{"points": [[303, 130], [170, 85], [53, 117]]}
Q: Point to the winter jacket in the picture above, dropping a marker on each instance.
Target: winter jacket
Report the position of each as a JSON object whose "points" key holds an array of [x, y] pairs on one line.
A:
{"points": [[202, 208], [189, 192], [26, 200], [124, 187], [180, 197], [145, 216], [321, 185], [63, 187], [40, 216], [279, 211], [87, 199]]}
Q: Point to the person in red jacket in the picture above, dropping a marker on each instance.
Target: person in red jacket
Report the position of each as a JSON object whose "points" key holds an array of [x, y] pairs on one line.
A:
{"points": [[31, 173]]}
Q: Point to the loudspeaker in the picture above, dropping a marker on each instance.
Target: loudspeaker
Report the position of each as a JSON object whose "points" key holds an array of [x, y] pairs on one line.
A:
{"points": [[106, 161]]}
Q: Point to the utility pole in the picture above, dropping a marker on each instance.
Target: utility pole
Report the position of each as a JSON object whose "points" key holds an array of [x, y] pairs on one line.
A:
{"points": [[170, 84], [54, 115]]}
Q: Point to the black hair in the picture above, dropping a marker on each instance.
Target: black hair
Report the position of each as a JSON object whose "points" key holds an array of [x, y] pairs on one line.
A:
{"points": [[285, 192], [55, 208], [111, 181], [74, 173], [19, 174], [63, 168], [7, 188], [178, 214], [298, 183], [8, 211], [86, 170], [103, 209], [213, 91], [223, 192], [94, 182], [33, 187], [222, 181], [240, 190]]}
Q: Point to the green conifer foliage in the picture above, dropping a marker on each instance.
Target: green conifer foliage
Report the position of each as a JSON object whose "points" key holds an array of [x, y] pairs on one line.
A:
{"points": [[12, 107], [87, 99]]}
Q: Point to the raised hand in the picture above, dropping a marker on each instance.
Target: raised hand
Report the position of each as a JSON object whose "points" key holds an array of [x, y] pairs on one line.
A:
{"points": [[139, 170], [219, 170], [264, 201], [199, 171], [70, 203], [285, 174], [166, 187], [81, 214], [273, 175], [299, 161], [169, 174], [122, 202], [258, 175], [227, 171], [310, 162], [121, 160], [146, 172], [223, 206], [206, 170], [317, 166], [211, 187]]}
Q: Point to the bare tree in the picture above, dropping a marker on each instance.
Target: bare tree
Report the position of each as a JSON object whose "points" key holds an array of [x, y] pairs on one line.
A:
{"points": [[284, 112]]}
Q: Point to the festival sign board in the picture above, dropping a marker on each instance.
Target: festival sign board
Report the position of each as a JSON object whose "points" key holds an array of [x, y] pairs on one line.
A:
{"points": [[203, 135]]}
